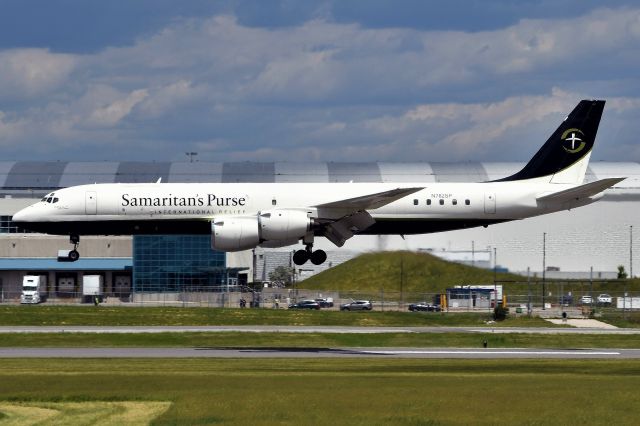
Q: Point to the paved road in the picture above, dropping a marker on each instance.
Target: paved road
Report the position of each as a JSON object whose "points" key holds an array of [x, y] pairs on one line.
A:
{"points": [[445, 353], [309, 329]]}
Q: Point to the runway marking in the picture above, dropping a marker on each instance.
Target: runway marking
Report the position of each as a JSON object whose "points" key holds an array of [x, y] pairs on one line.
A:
{"points": [[492, 353]]}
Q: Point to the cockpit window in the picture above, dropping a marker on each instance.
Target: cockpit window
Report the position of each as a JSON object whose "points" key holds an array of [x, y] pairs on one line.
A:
{"points": [[50, 198]]}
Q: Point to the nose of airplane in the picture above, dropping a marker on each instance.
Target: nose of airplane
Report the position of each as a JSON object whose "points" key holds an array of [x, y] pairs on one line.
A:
{"points": [[22, 215]]}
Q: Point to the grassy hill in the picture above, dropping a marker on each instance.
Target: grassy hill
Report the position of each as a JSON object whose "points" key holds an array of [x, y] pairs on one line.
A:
{"points": [[416, 272]]}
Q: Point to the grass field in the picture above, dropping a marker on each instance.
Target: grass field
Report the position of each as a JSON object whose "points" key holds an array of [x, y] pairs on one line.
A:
{"points": [[318, 391], [424, 273], [113, 316], [321, 340], [392, 270], [333, 391]]}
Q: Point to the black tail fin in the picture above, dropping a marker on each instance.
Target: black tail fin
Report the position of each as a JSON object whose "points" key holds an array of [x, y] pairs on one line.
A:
{"points": [[571, 141]]}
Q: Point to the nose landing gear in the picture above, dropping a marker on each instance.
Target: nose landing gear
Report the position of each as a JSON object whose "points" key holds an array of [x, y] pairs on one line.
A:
{"points": [[74, 254], [317, 257]]}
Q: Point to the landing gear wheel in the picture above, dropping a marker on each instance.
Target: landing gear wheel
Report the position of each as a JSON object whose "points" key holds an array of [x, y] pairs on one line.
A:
{"points": [[74, 255], [300, 257], [318, 257]]}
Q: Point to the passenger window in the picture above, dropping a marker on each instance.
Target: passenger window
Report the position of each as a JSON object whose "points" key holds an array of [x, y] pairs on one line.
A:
{"points": [[467, 202], [454, 202], [273, 202], [442, 202], [429, 202], [415, 202]]}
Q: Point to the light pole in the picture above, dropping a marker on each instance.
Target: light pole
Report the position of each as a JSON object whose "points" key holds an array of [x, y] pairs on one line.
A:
{"points": [[631, 251], [544, 266], [473, 253], [495, 271], [529, 307], [401, 281]]}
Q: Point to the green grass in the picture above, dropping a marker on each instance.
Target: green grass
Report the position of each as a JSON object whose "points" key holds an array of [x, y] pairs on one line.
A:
{"points": [[132, 316], [320, 340], [341, 391], [417, 272], [629, 319]]}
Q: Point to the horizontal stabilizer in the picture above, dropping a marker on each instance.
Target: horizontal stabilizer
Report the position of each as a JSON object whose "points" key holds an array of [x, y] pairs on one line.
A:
{"points": [[371, 201], [583, 191]]}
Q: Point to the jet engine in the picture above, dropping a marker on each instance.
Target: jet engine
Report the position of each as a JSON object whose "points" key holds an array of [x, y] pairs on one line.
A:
{"points": [[271, 227]]}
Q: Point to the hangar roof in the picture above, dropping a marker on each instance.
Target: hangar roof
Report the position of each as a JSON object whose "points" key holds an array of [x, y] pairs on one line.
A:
{"points": [[35, 177]]}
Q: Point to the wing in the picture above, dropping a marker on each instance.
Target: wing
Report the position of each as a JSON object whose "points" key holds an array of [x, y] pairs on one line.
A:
{"points": [[371, 201], [355, 217], [582, 191]]}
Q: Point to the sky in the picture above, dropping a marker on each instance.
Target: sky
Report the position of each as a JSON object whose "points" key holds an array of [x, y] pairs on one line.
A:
{"points": [[314, 80]]}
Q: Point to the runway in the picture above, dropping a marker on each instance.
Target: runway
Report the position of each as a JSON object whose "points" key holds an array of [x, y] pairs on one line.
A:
{"points": [[310, 329], [430, 353], [276, 352]]}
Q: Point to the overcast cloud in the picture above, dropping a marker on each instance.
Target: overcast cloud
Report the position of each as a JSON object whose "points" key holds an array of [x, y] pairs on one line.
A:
{"points": [[326, 81]]}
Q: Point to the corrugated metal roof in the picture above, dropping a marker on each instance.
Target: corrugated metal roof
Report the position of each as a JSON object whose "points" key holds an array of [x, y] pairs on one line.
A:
{"points": [[35, 174], [35, 177], [51, 264]]}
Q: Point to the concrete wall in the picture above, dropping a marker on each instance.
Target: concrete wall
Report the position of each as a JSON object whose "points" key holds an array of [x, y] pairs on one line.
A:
{"points": [[38, 245], [11, 282]]}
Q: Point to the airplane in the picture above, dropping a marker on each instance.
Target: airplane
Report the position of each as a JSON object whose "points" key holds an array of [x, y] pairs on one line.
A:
{"points": [[242, 216]]}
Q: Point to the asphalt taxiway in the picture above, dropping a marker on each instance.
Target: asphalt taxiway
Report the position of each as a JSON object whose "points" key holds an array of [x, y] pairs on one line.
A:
{"points": [[277, 352], [259, 352], [312, 329]]}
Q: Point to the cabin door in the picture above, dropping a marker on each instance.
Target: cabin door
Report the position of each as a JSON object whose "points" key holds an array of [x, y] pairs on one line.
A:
{"points": [[489, 203], [91, 203]]}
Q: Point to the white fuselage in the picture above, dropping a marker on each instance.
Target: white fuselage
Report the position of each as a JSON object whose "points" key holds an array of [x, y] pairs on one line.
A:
{"points": [[175, 202]]}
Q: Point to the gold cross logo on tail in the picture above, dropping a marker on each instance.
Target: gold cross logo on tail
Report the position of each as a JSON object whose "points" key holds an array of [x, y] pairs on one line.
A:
{"points": [[571, 141]]}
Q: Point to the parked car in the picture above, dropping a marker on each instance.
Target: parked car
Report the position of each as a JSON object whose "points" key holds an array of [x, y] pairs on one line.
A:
{"points": [[325, 303], [305, 304], [423, 306], [586, 300], [604, 299], [357, 305], [567, 300]]}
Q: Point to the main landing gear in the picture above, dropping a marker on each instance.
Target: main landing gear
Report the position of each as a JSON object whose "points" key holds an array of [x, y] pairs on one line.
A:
{"points": [[73, 254], [317, 257]]}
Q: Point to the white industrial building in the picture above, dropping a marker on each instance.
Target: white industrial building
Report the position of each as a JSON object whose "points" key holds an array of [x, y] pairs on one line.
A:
{"points": [[598, 236]]}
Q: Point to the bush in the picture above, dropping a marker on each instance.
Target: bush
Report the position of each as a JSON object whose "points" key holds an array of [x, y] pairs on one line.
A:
{"points": [[500, 313]]}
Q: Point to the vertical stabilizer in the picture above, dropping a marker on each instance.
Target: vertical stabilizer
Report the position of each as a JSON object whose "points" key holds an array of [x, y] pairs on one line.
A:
{"points": [[565, 156]]}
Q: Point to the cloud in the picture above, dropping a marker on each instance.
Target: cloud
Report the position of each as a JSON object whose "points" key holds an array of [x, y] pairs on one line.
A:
{"points": [[322, 90], [113, 113], [26, 73]]}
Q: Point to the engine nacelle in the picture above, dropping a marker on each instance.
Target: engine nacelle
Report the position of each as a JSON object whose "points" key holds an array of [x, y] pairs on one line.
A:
{"points": [[283, 224], [271, 228], [235, 233]]}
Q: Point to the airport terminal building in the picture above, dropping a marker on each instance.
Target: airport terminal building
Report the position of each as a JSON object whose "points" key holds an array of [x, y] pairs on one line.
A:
{"points": [[598, 236]]}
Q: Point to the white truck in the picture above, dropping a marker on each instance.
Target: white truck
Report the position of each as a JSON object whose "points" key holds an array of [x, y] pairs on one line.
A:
{"points": [[92, 287], [34, 289]]}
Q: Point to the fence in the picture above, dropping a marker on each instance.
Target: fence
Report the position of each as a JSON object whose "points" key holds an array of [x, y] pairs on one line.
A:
{"points": [[558, 296]]}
